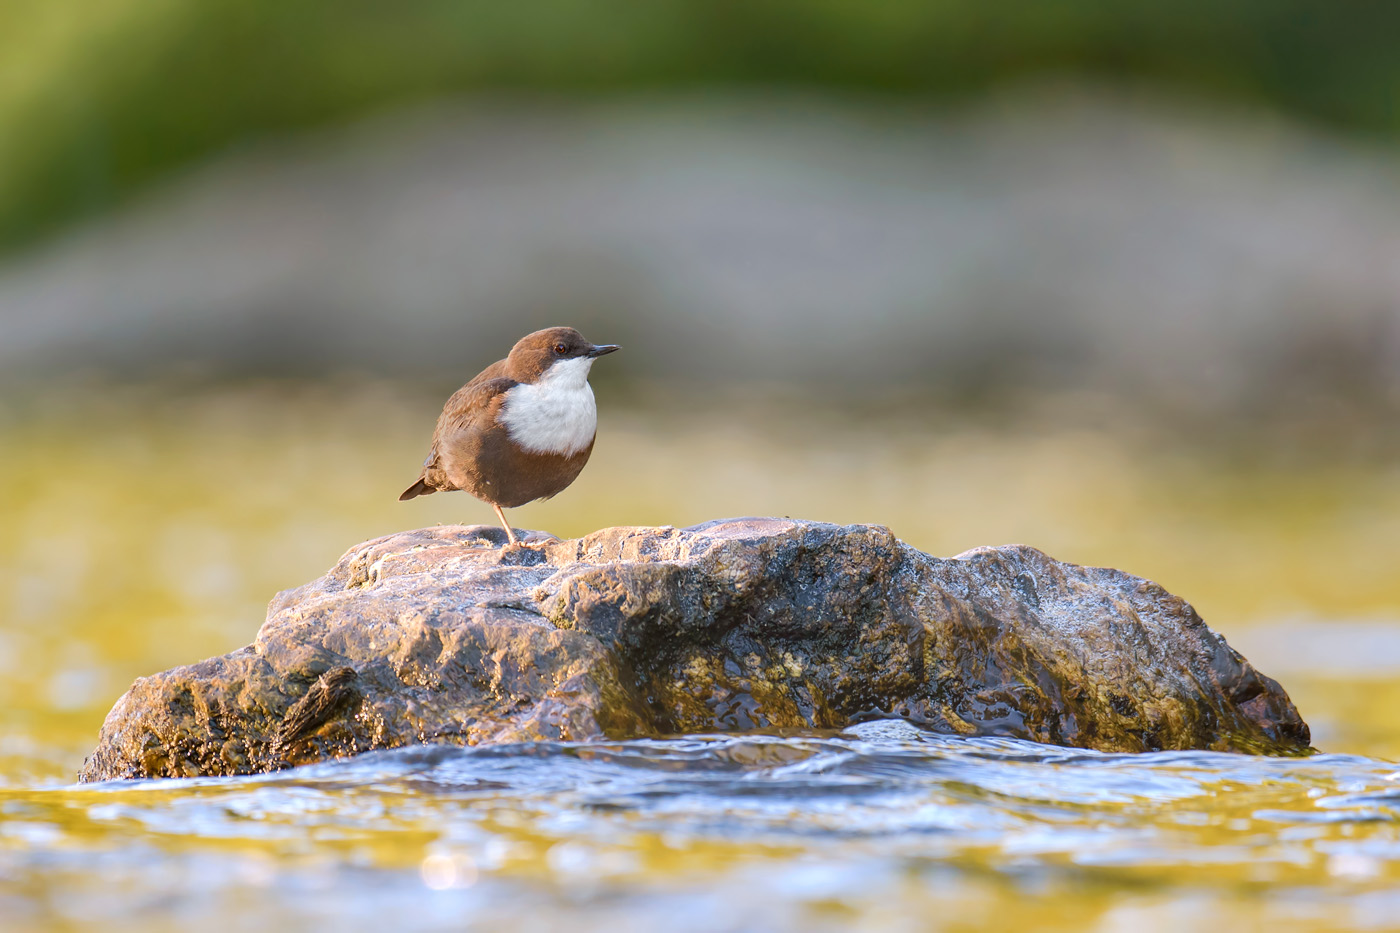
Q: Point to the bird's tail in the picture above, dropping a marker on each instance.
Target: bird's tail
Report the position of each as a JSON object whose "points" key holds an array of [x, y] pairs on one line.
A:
{"points": [[420, 488]]}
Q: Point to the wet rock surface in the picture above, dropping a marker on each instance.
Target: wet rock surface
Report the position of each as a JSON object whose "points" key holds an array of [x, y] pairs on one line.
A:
{"points": [[441, 635]]}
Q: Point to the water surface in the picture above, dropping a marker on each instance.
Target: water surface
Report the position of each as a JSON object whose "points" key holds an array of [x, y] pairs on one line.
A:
{"points": [[879, 827]]}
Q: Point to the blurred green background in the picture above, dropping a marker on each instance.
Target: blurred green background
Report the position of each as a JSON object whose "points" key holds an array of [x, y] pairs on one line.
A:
{"points": [[101, 97], [1117, 280]]}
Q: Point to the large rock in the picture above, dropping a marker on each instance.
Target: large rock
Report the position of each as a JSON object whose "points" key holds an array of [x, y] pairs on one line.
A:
{"points": [[441, 635]]}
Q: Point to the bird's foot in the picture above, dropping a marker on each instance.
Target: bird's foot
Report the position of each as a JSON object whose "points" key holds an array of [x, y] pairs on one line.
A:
{"points": [[523, 545], [521, 554]]}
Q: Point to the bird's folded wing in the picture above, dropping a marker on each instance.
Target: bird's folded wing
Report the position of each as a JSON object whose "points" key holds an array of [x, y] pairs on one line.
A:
{"points": [[472, 407]]}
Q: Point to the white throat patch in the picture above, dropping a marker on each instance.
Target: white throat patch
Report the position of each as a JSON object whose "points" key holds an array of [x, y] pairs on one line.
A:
{"points": [[556, 414]]}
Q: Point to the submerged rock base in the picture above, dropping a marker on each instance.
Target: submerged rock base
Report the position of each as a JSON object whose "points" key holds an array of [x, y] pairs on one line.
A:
{"points": [[444, 635]]}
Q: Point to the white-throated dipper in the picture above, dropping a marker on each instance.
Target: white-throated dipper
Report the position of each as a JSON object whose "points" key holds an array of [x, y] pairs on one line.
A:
{"points": [[522, 429]]}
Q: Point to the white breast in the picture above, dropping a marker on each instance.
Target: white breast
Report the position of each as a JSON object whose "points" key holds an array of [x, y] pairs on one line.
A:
{"points": [[556, 414]]}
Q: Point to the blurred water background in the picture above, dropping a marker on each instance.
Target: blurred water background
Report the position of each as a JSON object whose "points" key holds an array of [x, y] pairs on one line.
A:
{"points": [[1121, 283]]}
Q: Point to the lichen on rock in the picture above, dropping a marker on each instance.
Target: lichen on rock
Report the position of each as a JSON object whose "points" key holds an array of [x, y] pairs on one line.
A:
{"points": [[731, 625]]}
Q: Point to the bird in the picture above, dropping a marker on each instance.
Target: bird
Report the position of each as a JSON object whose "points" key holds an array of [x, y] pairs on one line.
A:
{"points": [[522, 429]]}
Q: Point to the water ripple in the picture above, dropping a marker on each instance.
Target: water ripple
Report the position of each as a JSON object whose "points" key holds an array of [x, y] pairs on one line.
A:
{"points": [[744, 832]]}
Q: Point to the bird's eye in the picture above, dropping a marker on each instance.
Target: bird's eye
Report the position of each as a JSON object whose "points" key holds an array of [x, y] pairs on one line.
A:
{"points": [[560, 349]]}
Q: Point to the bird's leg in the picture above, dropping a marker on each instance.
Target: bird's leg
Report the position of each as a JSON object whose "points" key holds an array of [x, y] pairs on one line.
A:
{"points": [[510, 535]]}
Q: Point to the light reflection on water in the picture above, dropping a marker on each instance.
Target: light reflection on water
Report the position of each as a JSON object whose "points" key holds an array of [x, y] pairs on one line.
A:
{"points": [[881, 826]]}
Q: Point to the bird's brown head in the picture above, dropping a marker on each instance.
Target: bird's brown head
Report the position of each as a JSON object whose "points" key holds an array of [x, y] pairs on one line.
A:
{"points": [[536, 354]]}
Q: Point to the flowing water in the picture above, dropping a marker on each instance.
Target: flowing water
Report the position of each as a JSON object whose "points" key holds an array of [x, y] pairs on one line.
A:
{"points": [[881, 827], [139, 534]]}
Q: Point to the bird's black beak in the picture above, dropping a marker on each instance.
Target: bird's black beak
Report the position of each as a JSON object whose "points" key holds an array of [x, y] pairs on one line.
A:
{"points": [[603, 350]]}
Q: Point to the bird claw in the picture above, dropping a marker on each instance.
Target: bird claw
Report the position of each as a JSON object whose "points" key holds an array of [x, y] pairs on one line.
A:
{"points": [[522, 555]]}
